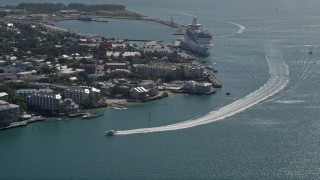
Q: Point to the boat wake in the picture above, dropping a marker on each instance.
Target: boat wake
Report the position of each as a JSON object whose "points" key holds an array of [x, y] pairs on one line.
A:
{"points": [[279, 77], [185, 14], [242, 28]]}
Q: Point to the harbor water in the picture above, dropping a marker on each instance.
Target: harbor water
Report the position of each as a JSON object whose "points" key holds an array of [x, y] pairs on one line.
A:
{"points": [[276, 137]]}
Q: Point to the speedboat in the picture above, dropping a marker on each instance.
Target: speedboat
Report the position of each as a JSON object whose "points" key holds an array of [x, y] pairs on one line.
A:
{"points": [[111, 133]]}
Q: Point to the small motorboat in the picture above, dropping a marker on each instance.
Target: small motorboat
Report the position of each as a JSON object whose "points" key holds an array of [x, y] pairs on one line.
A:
{"points": [[111, 133]]}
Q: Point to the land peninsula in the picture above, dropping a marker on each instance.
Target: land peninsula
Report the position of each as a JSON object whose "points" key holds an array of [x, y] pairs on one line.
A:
{"points": [[56, 72]]}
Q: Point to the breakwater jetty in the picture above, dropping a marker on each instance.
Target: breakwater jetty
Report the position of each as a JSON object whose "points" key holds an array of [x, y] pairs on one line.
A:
{"points": [[214, 81]]}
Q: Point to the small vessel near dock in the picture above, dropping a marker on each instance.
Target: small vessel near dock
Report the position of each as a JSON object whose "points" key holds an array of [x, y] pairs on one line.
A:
{"points": [[91, 115]]}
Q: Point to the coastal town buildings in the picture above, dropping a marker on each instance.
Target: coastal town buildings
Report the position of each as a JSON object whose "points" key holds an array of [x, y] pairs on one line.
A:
{"points": [[8, 113], [82, 94], [44, 101], [77, 60], [156, 46]]}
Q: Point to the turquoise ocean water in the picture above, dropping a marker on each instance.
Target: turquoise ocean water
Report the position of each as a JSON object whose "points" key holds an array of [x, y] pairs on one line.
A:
{"points": [[277, 138]]}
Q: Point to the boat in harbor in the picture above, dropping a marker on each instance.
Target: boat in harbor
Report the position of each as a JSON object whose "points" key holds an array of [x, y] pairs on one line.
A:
{"points": [[91, 115], [198, 40]]}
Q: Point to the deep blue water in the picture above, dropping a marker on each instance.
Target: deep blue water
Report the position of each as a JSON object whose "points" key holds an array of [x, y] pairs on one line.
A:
{"points": [[275, 139]]}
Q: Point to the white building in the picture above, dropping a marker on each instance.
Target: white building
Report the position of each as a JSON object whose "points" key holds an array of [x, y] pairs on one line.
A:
{"points": [[139, 93], [156, 70], [45, 101], [193, 71], [25, 92], [81, 94], [8, 113], [3, 96], [198, 88], [190, 71]]}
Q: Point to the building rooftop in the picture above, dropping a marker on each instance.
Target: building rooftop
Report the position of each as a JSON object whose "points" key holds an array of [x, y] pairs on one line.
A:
{"points": [[140, 89], [46, 90], [3, 94], [6, 105]]}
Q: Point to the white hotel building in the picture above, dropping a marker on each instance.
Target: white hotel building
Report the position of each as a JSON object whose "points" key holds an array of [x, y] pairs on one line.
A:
{"points": [[80, 94], [45, 101], [170, 70]]}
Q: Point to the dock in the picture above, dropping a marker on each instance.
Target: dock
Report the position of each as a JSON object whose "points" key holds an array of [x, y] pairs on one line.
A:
{"points": [[180, 30], [214, 81], [99, 20], [24, 123]]}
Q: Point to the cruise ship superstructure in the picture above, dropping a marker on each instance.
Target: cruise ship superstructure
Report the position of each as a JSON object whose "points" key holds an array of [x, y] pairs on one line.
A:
{"points": [[198, 40]]}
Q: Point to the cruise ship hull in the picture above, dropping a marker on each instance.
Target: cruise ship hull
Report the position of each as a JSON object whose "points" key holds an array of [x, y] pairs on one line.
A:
{"points": [[199, 48]]}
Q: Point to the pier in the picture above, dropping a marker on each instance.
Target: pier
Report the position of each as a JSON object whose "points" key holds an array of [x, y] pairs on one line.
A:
{"points": [[24, 123], [214, 81], [99, 20]]}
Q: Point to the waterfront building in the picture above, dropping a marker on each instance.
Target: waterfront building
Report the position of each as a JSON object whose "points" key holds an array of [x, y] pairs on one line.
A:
{"points": [[44, 101], [161, 71], [174, 71], [192, 71], [150, 86], [8, 113], [25, 92], [139, 93], [198, 87], [82, 94], [3, 96]]}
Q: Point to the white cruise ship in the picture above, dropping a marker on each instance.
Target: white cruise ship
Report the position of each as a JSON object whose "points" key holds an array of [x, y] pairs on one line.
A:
{"points": [[198, 40]]}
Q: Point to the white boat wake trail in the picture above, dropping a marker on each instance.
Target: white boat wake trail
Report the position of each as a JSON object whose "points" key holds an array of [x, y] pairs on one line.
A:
{"points": [[279, 78], [241, 27]]}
